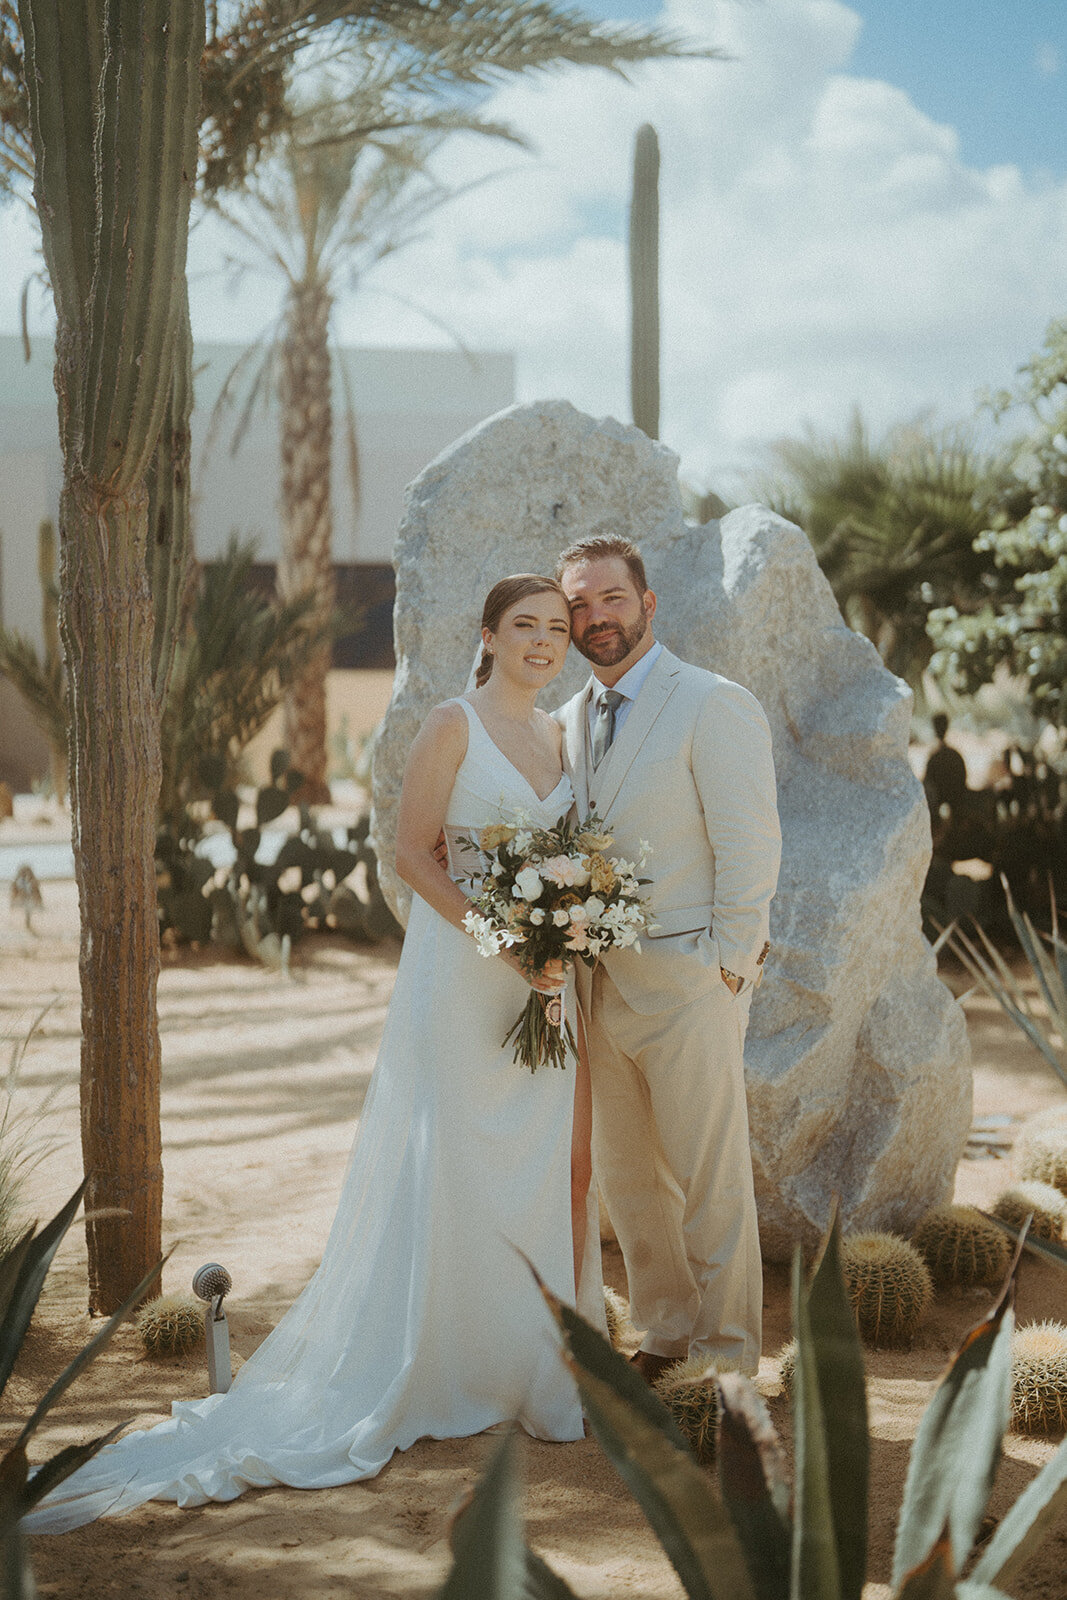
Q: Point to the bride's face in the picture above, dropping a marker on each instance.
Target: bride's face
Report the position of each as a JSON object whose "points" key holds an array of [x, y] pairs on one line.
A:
{"points": [[530, 643]]}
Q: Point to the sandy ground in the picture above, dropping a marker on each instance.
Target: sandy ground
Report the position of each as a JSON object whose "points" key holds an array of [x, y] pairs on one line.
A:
{"points": [[263, 1083]]}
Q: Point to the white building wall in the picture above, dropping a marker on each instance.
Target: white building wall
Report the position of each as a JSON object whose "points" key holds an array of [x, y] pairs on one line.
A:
{"points": [[409, 405]]}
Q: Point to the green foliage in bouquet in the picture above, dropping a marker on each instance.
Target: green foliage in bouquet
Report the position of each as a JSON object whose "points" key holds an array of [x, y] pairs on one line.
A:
{"points": [[551, 894], [760, 1537], [23, 1269]]}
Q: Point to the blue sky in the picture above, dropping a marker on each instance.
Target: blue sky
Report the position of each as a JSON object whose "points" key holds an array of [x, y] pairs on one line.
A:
{"points": [[996, 70], [867, 205]]}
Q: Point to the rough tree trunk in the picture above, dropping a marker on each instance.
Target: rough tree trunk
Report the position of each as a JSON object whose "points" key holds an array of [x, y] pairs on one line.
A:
{"points": [[108, 622], [307, 520], [114, 101]]}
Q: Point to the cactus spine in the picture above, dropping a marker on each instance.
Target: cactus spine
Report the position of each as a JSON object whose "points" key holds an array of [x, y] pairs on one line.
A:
{"points": [[962, 1247], [1039, 1378], [171, 1325], [888, 1284], [644, 283], [689, 1392], [1042, 1151], [114, 100], [621, 1330], [1041, 1202]]}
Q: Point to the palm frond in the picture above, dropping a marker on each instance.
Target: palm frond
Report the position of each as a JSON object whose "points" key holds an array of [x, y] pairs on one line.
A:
{"points": [[39, 681]]}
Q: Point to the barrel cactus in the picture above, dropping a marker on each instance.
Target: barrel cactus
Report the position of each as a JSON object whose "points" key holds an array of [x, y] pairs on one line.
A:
{"points": [[689, 1392], [1042, 1152], [171, 1325], [962, 1247], [621, 1330], [787, 1366], [1041, 1202], [1039, 1378], [888, 1284]]}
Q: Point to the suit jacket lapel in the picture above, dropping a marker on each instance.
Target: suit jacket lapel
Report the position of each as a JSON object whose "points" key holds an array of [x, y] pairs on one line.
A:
{"points": [[655, 692], [575, 744]]}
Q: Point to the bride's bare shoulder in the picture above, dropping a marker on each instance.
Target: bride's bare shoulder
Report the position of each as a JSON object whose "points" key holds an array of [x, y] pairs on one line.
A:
{"points": [[553, 728], [444, 732]]}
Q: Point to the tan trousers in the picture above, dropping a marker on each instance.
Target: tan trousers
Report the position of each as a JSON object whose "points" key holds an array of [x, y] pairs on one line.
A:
{"points": [[671, 1156]]}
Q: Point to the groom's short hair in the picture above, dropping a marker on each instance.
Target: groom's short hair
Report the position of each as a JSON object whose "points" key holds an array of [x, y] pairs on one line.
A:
{"points": [[599, 545]]}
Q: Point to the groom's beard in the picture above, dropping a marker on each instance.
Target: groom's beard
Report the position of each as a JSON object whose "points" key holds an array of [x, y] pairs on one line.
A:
{"points": [[610, 643]]}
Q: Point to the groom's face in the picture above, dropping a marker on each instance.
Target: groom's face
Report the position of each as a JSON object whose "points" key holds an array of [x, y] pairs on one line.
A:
{"points": [[610, 618]]}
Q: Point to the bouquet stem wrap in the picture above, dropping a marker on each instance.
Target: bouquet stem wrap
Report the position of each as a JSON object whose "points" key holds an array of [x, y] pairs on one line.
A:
{"points": [[542, 1033]]}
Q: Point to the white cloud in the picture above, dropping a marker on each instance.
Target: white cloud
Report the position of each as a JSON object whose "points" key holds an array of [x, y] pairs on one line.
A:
{"points": [[823, 243], [1047, 59]]}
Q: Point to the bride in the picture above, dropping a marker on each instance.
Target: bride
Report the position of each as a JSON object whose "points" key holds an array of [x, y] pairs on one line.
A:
{"points": [[421, 1320]]}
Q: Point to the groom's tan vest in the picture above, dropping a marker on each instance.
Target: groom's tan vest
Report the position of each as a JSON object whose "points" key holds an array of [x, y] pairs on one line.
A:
{"points": [[691, 774]]}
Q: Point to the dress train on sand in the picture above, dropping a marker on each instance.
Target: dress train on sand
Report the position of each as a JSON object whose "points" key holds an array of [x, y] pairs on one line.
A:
{"points": [[421, 1320]]}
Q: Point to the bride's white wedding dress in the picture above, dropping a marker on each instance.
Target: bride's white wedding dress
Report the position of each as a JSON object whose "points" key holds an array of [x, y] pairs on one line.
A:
{"points": [[421, 1319]]}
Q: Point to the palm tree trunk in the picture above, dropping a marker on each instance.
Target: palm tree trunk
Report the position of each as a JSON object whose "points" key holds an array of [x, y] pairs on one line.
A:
{"points": [[307, 519]]}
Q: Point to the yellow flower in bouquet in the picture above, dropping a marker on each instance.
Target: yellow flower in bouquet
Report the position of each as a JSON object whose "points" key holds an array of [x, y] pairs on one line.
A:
{"points": [[601, 874], [496, 834]]}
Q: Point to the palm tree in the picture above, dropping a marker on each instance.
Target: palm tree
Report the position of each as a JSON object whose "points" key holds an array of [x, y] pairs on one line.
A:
{"points": [[893, 525], [101, 108], [330, 205]]}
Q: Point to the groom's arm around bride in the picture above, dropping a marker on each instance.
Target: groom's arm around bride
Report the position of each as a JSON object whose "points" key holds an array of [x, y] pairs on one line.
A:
{"points": [[680, 759]]}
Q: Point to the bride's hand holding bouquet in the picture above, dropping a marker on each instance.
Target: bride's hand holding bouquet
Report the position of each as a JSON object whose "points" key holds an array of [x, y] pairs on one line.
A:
{"points": [[548, 897]]}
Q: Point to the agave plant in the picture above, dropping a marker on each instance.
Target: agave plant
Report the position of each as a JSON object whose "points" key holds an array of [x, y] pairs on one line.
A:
{"points": [[23, 1269], [758, 1537], [1046, 955]]}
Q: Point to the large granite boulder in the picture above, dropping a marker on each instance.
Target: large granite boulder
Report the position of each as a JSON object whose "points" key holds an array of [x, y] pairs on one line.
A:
{"points": [[857, 1060]]}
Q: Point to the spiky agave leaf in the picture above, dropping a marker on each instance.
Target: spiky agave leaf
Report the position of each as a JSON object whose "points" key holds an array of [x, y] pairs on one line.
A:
{"points": [[958, 1445], [641, 1440]]}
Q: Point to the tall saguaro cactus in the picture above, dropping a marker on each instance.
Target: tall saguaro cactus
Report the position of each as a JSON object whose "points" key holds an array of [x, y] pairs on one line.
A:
{"points": [[114, 105], [644, 283]]}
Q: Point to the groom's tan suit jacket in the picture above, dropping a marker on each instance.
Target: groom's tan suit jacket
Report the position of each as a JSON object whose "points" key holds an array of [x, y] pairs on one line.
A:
{"points": [[691, 774]]}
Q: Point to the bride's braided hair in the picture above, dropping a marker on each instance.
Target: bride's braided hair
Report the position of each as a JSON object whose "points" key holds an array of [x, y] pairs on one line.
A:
{"points": [[501, 597]]}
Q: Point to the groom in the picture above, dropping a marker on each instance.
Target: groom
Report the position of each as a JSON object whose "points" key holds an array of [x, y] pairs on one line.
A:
{"points": [[680, 758]]}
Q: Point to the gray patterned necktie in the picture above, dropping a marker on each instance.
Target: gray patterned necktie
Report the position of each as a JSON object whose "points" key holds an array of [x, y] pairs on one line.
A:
{"points": [[604, 723]]}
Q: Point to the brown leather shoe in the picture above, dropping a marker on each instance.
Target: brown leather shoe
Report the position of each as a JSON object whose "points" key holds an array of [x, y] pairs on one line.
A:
{"points": [[651, 1366]]}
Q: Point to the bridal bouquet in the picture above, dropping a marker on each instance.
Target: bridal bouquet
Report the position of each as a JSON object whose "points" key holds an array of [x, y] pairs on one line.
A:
{"points": [[553, 894]]}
